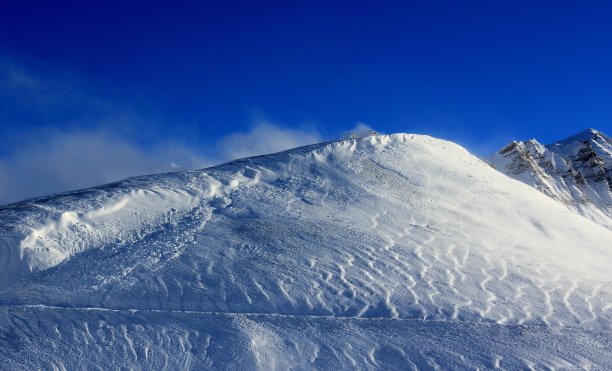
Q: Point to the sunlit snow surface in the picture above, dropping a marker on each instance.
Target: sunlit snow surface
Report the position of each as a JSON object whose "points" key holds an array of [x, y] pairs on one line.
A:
{"points": [[390, 252]]}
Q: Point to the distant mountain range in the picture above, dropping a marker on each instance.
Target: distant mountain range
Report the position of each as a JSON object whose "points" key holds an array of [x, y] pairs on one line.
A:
{"points": [[576, 171], [385, 252]]}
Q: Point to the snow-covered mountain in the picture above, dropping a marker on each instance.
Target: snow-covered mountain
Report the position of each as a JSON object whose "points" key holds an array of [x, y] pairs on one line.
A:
{"points": [[576, 171], [390, 252]]}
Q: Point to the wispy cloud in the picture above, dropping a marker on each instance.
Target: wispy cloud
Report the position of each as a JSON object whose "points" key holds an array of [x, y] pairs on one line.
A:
{"points": [[49, 96], [59, 135], [61, 161]]}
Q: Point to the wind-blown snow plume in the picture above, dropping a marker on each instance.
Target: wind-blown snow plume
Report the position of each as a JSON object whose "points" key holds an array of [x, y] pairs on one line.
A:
{"points": [[265, 138]]}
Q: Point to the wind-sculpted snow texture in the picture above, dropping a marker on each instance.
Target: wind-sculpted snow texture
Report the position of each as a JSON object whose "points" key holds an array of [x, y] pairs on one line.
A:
{"points": [[577, 171], [391, 252]]}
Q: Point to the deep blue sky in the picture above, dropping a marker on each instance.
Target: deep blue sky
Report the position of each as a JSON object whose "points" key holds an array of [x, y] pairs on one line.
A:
{"points": [[477, 72]]}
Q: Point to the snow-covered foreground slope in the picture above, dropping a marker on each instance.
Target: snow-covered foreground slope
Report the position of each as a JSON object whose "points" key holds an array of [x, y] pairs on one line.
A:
{"points": [[576, 171], [391, 252], [101, 339]]}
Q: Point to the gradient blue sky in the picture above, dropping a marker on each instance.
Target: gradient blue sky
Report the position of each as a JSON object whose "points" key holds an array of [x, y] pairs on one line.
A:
{"points": [[189, 80]]}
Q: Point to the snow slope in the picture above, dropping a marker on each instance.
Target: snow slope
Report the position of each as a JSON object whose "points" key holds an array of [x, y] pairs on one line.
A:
{"points": [[391, 252], [576, 171]]}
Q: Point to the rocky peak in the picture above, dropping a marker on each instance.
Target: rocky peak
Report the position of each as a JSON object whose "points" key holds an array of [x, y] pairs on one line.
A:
{"points": [[576, 170]]}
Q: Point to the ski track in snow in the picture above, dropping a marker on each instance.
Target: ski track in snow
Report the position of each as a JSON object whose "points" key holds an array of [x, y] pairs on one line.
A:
{"points": [[364, 234]]}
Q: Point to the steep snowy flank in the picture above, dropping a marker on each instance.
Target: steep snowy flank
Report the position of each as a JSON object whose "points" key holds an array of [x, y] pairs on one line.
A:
{"points": [[396, 251], [576, 171]]}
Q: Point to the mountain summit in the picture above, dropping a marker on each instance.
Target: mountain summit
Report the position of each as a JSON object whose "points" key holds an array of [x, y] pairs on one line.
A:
{"points": [[576, 171], [392, 252]]}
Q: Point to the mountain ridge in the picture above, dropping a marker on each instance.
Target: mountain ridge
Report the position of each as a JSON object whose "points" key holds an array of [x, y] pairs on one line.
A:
{"points": [[576, 171]]}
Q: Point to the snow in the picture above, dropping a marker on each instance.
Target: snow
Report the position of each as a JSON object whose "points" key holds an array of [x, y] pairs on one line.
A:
{"points": [[394, 251], [585, 135], [576, 171]]}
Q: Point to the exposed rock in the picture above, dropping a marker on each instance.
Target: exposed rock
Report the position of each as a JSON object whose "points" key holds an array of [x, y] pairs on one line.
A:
{"points": [[576, 171]]}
